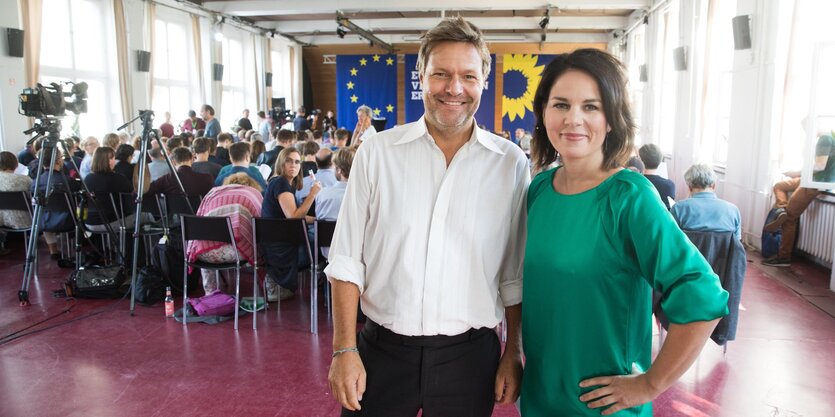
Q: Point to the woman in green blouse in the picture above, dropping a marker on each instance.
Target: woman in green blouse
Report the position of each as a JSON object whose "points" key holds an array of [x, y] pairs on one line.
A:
{"points": [[599, 241]]}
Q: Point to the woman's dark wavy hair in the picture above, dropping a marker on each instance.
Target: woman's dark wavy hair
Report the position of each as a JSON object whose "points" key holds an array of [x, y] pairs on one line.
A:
{"points": [[611, 81]]}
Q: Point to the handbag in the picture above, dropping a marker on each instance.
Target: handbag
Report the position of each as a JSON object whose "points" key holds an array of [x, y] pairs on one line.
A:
{"points": [[216, 303]]}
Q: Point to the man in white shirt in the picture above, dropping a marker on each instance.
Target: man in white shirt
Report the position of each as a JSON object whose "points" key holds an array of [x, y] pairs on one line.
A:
{"points": [[430, 239]]}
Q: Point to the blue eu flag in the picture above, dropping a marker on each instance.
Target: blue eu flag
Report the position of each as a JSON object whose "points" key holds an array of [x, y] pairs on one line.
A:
{"points": [[520, 79], [366, 79]]}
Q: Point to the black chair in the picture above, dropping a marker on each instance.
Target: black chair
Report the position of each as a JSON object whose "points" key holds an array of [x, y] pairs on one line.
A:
{"points": [[216, 229], [177, 205], [60, 202], [19, 201], [108, 211], [127, 206], [322, 237], [291, 232]]}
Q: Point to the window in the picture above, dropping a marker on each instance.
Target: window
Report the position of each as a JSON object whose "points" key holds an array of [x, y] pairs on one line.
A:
{"points": [[80, 48], [637, 59], [666, 122], [716, 106], [238, 76], [176, 85]]}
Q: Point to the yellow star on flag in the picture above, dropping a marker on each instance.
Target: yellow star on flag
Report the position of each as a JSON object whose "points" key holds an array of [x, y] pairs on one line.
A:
{"points": [[389, 108], [376, 58], [363, 61], [350, 85], [353, 71], [354, 98], [376, 111], [389, 61]]}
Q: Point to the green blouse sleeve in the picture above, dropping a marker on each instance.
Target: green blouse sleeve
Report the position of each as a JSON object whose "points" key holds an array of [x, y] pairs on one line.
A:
{"points": [[665, 256]]}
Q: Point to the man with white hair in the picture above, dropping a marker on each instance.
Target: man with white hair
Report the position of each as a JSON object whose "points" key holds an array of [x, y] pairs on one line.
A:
{"points": [[703, 211]]}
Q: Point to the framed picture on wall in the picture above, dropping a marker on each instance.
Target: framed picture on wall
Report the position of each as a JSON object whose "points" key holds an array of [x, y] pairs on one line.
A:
{"points": [[819, 158]]}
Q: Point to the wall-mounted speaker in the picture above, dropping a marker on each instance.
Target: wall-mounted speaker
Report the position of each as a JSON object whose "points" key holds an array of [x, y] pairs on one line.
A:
{"points": [[742, 32], [680, 58], [217, 72], [268, 79], [643, 76], [14, 39], [143, 61]]}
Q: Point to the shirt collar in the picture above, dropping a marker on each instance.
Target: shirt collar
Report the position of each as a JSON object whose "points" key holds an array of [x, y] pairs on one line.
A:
{"points": [[704, 194], [418, 129]]}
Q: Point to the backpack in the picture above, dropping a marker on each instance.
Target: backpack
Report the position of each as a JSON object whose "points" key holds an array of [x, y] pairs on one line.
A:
{"points": [[150, 286], [770, 243], [167, 258]]}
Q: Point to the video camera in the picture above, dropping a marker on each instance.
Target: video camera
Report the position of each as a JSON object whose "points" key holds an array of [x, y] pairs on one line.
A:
{"points": [[280, 115], [43, 101]]}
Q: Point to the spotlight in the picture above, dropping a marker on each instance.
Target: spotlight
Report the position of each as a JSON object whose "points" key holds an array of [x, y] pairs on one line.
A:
{"points": [[218, 29], [545, 20], [340, 31]]}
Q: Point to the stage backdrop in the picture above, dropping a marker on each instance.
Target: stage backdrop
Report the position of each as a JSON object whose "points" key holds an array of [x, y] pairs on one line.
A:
{"points": [[414, 100], [521, 76], [369, 80]]}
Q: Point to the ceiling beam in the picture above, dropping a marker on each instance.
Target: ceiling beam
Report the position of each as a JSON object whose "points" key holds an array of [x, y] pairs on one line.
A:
{"points": [[332, 39], [272, 7], [483, 23]]}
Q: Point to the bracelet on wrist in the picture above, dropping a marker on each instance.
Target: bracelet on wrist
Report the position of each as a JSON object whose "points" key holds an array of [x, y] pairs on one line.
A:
{"points": [[341, 351]]}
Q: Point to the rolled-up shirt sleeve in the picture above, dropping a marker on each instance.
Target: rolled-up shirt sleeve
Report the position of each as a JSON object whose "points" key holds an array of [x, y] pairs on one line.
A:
{"points": [[510, 281], [345, 259]]}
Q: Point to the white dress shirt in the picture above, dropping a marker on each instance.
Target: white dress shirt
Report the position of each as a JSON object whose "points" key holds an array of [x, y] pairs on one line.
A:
{"points": [[434, 250]]}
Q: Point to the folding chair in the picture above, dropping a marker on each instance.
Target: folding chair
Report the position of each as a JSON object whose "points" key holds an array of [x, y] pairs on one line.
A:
{"points": [[216, 229], [291, 232], [102, 203], [177, 205], [127, 206], [19, 201], [322, 237]]}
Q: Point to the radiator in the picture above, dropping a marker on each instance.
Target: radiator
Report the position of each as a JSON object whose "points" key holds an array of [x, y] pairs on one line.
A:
{"points": [[817, 229]]}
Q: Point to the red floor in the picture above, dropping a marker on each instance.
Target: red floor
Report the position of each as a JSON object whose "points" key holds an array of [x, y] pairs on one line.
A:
{"points": [[112, 364]]}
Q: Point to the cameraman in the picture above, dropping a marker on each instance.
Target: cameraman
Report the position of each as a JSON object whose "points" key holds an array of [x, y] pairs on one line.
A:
{"points": [[300, 123]]}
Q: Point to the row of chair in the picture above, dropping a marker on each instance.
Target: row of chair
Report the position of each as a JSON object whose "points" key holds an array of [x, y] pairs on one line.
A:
{"points": [[264, 232]]}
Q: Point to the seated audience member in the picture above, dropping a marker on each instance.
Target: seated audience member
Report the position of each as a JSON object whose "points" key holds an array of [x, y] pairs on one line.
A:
{"points": [[194, 183], [652, 156], [9, 181], [77, 152], [329, 199], [102, 182], [224, 141], [280, 203], [173, 143], [325, 173], [111, 140], [703, 211], [202, 164], [193, 123], [791, 208], [635, 164], [124, 137], [124, 153], [340, 139], [35, 164], [239, 153], [27, 155], [256, 146], [52, 222], [308, 149], [166, 128], [187, 138], [158, 166], [74, 164], [283, 139], [89, 145], [239, 198]]}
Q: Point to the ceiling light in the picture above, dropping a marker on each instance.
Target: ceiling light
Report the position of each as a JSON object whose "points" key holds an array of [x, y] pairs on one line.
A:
{"points": [[545, 20], [340, 31]]}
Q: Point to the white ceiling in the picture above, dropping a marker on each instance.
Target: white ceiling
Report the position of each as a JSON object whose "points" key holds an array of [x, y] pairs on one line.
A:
{"points": [[398, 21]]}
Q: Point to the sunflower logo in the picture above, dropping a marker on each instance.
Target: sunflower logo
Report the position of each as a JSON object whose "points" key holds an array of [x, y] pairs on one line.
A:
{"points": [[521, 76]]}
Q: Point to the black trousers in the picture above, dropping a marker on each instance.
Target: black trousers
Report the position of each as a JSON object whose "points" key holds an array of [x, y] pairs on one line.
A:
{"points": [[445, 376]]}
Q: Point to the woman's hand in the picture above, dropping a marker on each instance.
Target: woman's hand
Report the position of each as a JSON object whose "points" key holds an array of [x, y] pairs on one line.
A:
{"points": [[618, 392], [315, 188]]}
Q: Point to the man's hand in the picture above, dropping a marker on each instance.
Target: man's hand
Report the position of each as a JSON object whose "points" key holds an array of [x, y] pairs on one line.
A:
{"points": [[509, 377], [347, 380]]}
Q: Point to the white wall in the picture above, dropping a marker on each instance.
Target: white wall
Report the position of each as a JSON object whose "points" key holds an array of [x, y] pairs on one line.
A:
{"points": [[12, 81]]}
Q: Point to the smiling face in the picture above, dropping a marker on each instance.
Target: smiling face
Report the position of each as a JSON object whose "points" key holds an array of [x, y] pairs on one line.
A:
{"points": [[452, 84], [574, 118]]}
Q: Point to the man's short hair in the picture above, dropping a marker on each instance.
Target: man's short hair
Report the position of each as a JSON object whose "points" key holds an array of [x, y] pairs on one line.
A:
{"points": [[651, 155], [454, 29], [124, 153], [324, 158], [634, 163], [201, 145], [344, 158], [239, 152], [8, 161], [261, 114], [174, 143], [700, 176], [209, 109], [309, 147], [224, 137], [192, 113], [182, 155], [155, 153], [285, 135], [301, 110], [342, 134], [212, 144]]}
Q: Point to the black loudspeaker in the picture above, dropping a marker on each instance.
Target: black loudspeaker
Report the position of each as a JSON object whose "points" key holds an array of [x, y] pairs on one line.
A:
{"points": [[268, 79], [643, 74], [742, 32], [217, 72], [279, 103], [680, 58], [143, 61], [14, 37], [379, 124]]}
